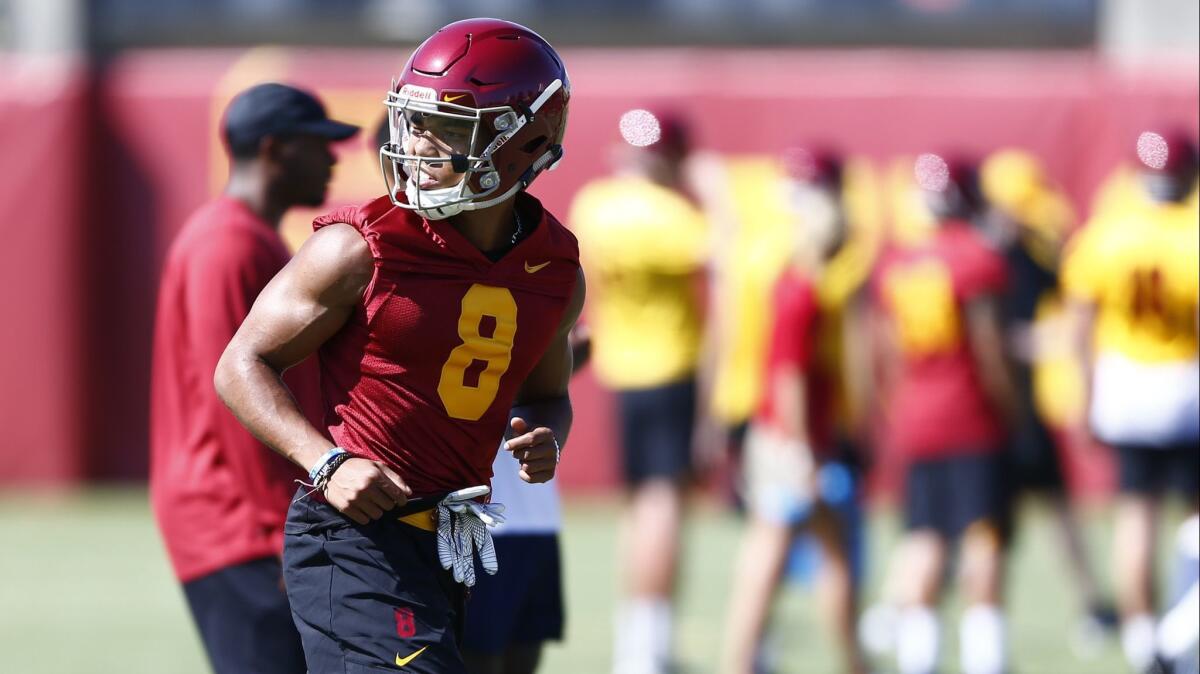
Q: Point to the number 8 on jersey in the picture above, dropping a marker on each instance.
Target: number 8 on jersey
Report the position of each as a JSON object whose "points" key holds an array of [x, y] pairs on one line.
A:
{"points": [[471, 374]]}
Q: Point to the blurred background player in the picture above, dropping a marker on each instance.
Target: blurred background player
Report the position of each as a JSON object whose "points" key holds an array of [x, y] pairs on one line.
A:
{"points": [[511, 615], [794, 440], [644, 241], [753, 237], [1027, 221], [219, 495], [1132, 279], [948, 400]]}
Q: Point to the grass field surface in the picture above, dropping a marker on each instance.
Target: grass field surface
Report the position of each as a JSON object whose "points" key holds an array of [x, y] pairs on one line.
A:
{"points": [[85, 588]]}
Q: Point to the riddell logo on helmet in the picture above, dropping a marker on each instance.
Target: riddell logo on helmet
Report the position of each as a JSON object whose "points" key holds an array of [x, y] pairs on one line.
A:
{"points": [[419, 93]]}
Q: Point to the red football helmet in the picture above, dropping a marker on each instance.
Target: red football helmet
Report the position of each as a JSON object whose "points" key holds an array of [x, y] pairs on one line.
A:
{"points": [[503, 80]]}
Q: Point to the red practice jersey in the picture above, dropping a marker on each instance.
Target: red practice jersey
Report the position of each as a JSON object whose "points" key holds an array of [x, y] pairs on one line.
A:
{"points": [[424, 373], [219, 495], [794, 344], [939, 407]]}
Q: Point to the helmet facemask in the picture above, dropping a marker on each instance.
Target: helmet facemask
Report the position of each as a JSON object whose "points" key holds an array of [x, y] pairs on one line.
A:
{"points": [[484, 130]]}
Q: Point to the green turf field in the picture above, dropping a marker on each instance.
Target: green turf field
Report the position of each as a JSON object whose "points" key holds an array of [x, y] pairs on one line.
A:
{"points": [[85, 587]]}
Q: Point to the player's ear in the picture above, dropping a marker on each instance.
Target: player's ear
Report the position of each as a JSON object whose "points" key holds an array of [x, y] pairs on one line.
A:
{"points": [[270, 148]]}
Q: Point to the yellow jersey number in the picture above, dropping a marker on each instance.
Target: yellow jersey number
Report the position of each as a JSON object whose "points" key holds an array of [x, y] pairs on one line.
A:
{"points": [[471, 374], [1151, 310], [921, 298]]}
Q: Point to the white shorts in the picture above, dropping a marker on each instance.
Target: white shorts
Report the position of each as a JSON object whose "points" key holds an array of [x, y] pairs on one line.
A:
{"points": [[1145, 404]]}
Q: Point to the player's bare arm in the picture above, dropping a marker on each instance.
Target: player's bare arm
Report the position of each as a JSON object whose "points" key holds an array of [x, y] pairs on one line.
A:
{"points": [[541, 415], [857, 362], [790, 389], [1081, 323], [987, 346], [301, 308]]}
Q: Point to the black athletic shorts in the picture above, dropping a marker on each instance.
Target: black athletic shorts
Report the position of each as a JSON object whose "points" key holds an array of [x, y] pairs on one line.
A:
{"points": [[949, 495], [244, 620], [1152, 471], [656, 431], [1037, 464], [523, 602], [370, 598]]}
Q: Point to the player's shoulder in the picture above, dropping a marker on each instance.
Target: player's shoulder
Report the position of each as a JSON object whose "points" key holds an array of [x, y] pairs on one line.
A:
{"points": [[1105, 239], [957, 238], [226, 233], [559, 238], [386, 227], [961, 244], [593, 206], [362, 217], [973, 261], [622, 197], [551, 237], [601, 188]]}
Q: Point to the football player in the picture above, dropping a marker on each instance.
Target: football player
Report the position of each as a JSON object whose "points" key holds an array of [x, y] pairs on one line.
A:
{"points": [[440, 313], [645, 243], [1027, 222], [1132, 279], [949, 402], [219, 496], [801, 431]]}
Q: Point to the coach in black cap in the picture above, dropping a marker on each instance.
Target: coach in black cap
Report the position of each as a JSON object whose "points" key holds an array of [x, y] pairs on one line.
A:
{"points": [[280, 134], [219, 496]]}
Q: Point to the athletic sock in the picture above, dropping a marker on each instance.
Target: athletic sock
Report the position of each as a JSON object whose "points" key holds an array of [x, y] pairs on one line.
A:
{"points": [[1187, 557], [982, 640], [1179, 629], [1137, 640], [643, 636], [661, 634], [877, 629], [917, 640]]}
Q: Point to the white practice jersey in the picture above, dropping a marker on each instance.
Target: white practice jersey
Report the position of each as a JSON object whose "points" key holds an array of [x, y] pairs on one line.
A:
{"points": [[528, 508]]}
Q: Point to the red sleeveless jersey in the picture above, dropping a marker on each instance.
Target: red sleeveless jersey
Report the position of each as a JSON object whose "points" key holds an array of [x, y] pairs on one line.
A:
{"points": [[794, 343], [424, 372]]}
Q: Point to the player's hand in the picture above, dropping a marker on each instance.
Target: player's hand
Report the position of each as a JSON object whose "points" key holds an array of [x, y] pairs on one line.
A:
{"points": [[709, 445], [536, 449], [363, 490]]}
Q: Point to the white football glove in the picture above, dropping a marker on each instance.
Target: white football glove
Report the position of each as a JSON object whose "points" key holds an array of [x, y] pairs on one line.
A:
{"points": [[462, 529]]}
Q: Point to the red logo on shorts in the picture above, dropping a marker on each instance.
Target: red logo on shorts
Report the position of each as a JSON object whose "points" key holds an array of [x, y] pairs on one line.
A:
{"points": [[406, 627]]}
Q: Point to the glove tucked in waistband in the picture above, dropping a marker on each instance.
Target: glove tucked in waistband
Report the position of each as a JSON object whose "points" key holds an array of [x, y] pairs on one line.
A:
{"points": [[462, 528]]}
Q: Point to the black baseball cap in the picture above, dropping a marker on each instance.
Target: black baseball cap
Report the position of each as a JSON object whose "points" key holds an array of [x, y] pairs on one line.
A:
{"points": [[274, 109]]}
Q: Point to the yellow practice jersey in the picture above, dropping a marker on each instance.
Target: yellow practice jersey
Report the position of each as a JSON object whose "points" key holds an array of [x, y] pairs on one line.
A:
{"points": [[760, 245], [839, 283], [1139, 263], [1122, 190], [642, 247]]}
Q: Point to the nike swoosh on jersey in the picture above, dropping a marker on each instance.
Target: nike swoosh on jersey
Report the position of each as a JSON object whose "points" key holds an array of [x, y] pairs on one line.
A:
{"points": [[400, 662], [535, 268]]}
